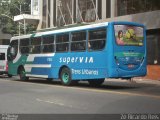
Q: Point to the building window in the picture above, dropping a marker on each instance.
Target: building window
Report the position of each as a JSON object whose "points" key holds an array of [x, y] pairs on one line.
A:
{"points": [[126, 7], [108, 8], [44, 14], [35, 7], [99, 12], [49, 11], [54, 13], [64, 12], [153, 47], [86, 11]]}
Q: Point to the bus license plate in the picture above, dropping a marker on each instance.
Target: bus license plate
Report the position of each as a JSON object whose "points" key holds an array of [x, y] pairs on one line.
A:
{"points": [[130, 66]]}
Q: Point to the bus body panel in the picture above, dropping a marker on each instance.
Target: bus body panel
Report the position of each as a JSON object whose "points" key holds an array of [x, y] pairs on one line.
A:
{"points": [[82, 65], [14, 65]]}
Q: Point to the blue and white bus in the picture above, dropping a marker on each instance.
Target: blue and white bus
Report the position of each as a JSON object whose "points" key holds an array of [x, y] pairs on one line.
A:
{"points": [[89, 52]]}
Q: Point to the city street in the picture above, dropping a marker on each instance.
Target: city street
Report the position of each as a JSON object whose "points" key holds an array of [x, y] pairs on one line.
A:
{"points": [[38, 96], [80, 40]]}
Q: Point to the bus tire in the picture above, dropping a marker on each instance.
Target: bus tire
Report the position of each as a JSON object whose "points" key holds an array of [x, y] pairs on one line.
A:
{"points": [[65, 76], [22, 74], [96, 82], [9, 75]]}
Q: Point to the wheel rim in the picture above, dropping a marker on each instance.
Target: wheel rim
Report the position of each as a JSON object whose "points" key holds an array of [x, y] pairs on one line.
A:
{"points": [[65, 77]]}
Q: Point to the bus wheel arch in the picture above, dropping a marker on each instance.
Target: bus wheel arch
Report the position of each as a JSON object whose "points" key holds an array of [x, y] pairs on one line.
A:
{"points": [[65, 76], [19, 68], [21, 73]]}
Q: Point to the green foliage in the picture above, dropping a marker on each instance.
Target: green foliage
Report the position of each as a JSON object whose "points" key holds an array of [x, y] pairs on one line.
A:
{"points": [[10, 9]]}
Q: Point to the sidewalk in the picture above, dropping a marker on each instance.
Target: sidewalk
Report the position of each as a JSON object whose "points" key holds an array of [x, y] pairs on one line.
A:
{"points": [[135, 80], [147, 81]]}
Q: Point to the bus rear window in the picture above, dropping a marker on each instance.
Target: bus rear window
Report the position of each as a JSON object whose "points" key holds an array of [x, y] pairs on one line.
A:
{"points": [[2, 56], [128, 35]]}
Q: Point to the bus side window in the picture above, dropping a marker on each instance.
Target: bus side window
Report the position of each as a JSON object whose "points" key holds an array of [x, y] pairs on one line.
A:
{"points": [[62, 42], [97, 39], [24, 46], [48, 44], [78, 42], [35, 47]]}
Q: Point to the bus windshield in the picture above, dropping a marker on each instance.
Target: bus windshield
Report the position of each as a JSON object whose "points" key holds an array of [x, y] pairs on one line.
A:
{"points": [[127, 35]]}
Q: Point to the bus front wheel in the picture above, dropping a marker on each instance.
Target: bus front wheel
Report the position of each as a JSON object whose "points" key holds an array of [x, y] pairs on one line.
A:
{"points": [[96, 82], [65, 77], [9, 75], [22, 74]]}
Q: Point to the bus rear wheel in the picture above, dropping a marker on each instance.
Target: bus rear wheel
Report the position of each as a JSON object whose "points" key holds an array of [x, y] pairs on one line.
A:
{"points": [[65, 77], [22, 74], [96, 82], [49, 79]]}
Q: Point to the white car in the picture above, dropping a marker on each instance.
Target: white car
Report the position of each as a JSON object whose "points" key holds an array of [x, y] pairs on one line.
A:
{"points": [[3, 60]]}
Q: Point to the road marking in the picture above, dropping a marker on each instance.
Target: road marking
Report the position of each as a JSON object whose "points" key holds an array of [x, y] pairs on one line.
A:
{"points": [[93, 90], [53, 102], [113, 92]]}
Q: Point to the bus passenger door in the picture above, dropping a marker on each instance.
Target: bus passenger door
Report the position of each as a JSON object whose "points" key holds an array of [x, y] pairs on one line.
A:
{"points": [[11, 56]]}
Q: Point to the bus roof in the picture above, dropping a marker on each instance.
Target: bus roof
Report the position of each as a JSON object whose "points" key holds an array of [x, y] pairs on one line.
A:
{"points": [[70, 29], [90, 26]]}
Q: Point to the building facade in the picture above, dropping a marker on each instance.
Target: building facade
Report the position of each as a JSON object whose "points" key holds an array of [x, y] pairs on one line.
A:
{"points": [[53, 13]]}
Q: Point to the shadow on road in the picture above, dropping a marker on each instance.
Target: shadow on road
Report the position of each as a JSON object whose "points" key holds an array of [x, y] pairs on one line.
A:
{"points": [[84, 84], [111, 85], [107, 85]]}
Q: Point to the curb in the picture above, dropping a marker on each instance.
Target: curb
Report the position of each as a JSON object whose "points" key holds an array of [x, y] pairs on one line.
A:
{"points": [[148, 81], [135, 80]]}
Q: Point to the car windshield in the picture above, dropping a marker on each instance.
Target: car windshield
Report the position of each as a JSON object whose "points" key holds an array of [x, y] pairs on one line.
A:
{"points": [[128, 35]]}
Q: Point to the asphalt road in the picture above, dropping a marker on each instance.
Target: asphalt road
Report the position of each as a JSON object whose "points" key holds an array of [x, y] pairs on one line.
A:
{"points": [[38, 96]]}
